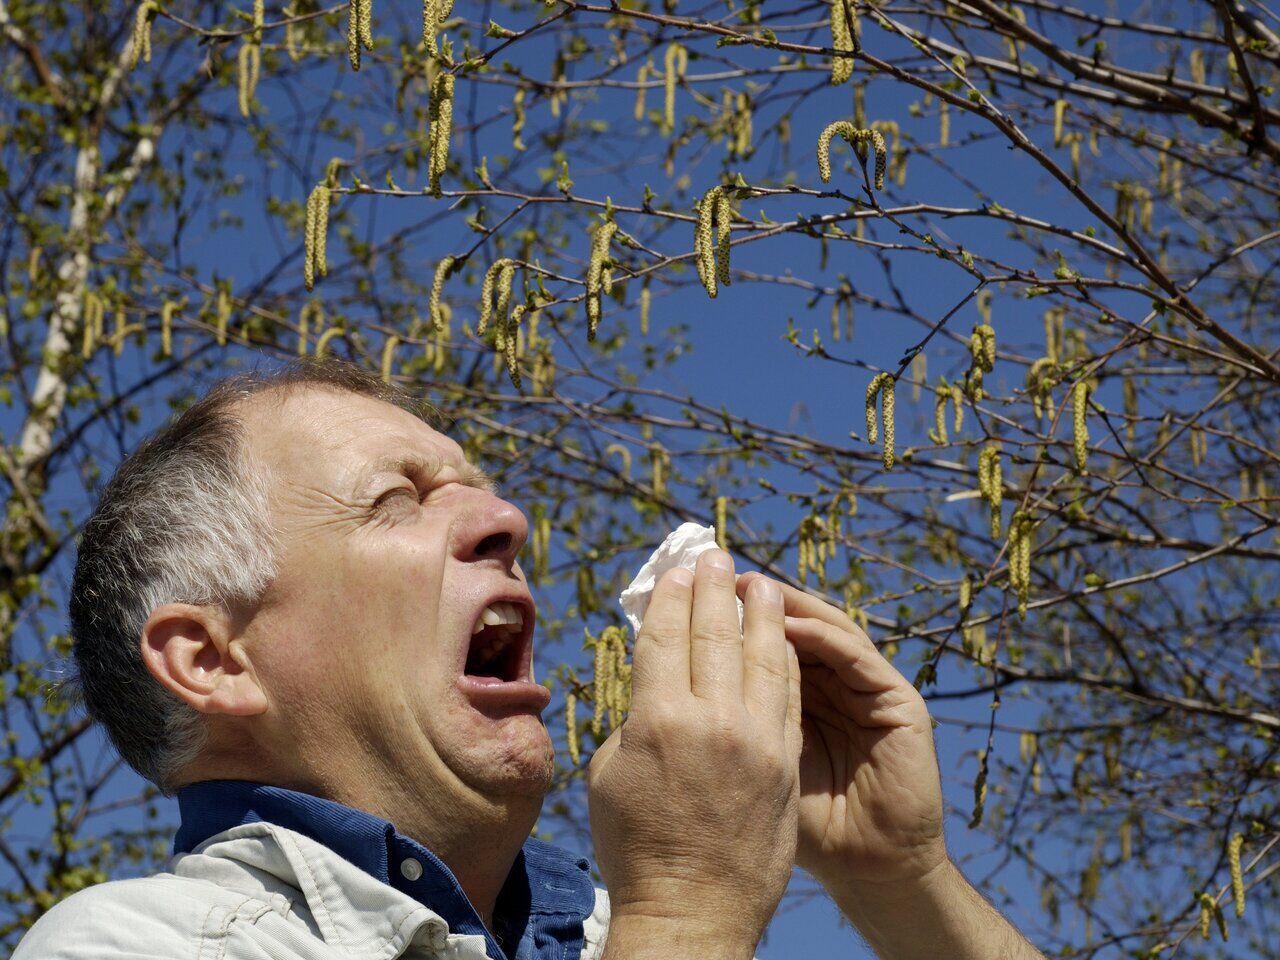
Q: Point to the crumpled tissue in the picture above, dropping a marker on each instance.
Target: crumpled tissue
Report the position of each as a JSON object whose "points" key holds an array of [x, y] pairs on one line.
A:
{"points": [[682, 548]]}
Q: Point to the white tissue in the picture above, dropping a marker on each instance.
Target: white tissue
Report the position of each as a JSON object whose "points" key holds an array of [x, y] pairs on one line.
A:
{"points": [[682, 548]]}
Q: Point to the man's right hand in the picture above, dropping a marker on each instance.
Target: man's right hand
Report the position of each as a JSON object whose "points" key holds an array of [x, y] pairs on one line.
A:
{"points": [[693, 799]]}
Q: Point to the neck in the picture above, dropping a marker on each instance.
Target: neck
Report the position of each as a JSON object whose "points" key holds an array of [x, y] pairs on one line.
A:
{"points": [[477, 838]]}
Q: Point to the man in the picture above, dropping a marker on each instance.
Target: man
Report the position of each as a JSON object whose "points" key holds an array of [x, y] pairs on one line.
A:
{"points": [[298, 608]]}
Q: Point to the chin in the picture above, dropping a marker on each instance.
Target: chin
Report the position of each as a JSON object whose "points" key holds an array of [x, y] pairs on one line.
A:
{"points": [[515, 760]]}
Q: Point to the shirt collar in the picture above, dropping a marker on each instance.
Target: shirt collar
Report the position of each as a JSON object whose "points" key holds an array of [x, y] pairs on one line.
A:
{"points": [[540, 909]]}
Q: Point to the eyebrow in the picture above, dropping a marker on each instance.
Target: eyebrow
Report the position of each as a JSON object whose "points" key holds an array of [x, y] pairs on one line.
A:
{"points": [[415, 466]]}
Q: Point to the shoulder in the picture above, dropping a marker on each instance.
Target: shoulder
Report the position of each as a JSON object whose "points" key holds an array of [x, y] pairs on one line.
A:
{"points": [[161, 916]]}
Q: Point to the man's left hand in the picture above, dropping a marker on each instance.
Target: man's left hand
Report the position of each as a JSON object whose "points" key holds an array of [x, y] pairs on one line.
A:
{"points": [[871, 800]]}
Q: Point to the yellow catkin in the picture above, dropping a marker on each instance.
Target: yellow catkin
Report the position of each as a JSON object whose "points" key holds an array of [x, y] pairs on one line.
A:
{"points": [[658, 469], [843, 31], [443, 269], [882, 384], [353, 34], [1206, 914], [512, 352], [571, 728], [311, 310], [601, 678], [1039, 384], [645, 299], [248, 67], [140, 43], [957, 402], [713, 260], [1059, 115], [991, 484], [93, 315], [517, 120], [944, 123], [497, 278], [314, 261], [1019, 558], [1079, 423], [724, 224], [222, 315], [675, 61], [642, 78], [919, 374], [323, 343], [167, 312], [1237, 876], [388, 356], [441, 117], [623, 454], [853, 136], [966, 594], [601, 236], [1196, 61], [722, 516], [941, 394], [434, 14]]}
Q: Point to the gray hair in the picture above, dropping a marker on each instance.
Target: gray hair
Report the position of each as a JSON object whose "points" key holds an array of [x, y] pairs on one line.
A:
{"points": [[184, 519]]}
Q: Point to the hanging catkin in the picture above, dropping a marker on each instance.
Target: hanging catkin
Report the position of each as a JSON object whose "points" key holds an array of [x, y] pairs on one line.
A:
{"points": [[844, 29], [883, 384], [317, 228], [601, 236], [511, 345], [722, 513], [854, 137], [676, 61], [167, 312], [443, 269], [713, 261], [140, 43], [498, 277], [1019, 553], [1080, 426], [941, 394], [642, 77], [248, 68], [991, 484], [1237, 877], [434, 14], [359, 30], [440, 115], [571, 727], [312, 308]]}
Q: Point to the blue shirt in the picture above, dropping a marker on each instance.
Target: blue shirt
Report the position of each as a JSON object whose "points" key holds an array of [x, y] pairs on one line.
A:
{"points": [[540, 909]]}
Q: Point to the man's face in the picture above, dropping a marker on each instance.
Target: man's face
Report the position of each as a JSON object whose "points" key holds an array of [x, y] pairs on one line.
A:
{"points": [[393, 549]]}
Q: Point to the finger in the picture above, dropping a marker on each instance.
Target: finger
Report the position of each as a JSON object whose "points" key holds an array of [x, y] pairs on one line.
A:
{"points": [[795, 731], [660, 660], [715, 639], [766, 675], [848, 653], [797, 603]]}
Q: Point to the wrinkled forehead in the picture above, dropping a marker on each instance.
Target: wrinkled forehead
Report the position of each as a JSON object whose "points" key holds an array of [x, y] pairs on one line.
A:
{"points": [[337, 440]]}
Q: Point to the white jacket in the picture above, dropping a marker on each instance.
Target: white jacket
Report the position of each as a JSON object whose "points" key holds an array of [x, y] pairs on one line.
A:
{"points": [[258, 892]]}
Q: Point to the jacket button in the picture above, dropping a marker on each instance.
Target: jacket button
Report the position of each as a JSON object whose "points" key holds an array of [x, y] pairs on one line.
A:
{"points": [[410, 868]]}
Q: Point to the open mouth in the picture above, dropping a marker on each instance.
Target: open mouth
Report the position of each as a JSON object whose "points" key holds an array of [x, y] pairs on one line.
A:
{"points": [[499, 641]]}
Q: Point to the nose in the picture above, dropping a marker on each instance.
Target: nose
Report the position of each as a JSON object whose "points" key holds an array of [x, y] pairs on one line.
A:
{"points": [[492, 529]]}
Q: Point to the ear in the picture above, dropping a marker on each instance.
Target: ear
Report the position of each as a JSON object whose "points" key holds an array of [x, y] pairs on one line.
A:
{"points": [[192, 651]]}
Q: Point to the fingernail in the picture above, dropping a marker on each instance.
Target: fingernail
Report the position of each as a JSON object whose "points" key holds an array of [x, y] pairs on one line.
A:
{"points": [[682, 576], [720, 559], [764, 590]]}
